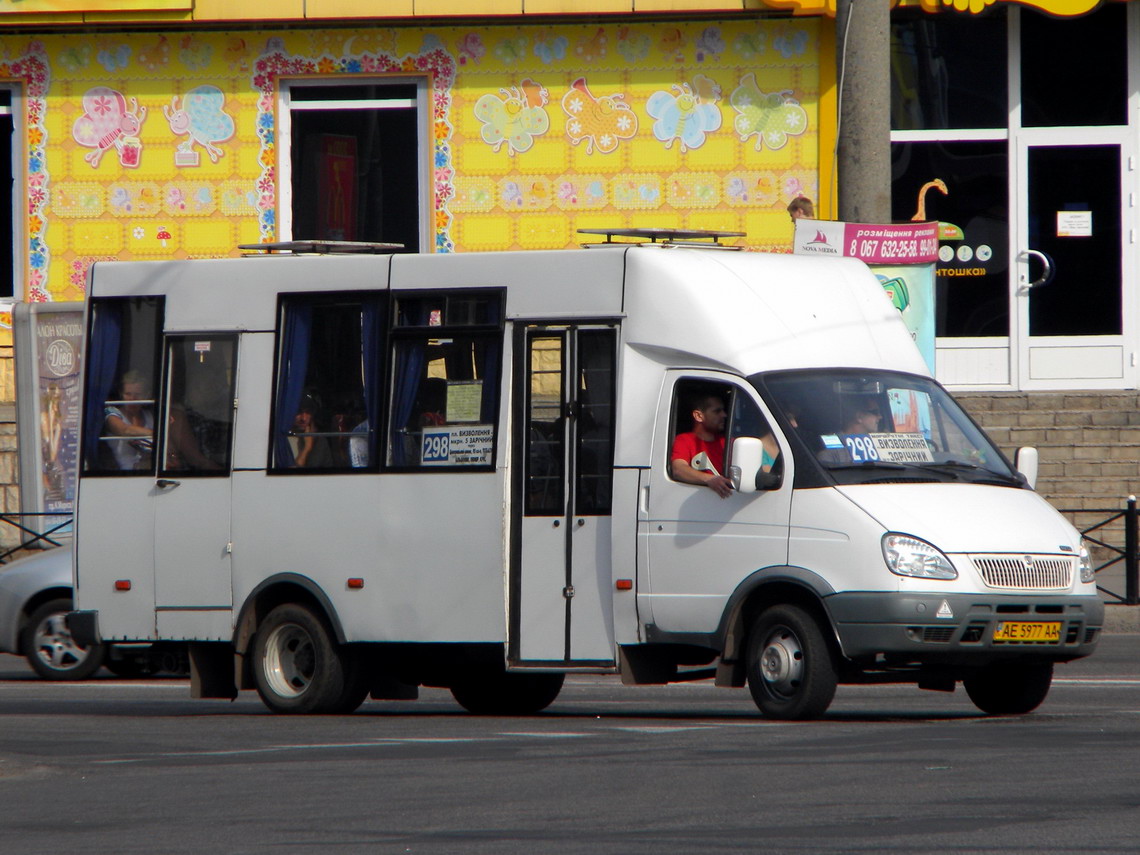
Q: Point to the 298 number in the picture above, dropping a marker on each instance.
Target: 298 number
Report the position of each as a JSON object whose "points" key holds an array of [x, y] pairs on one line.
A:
{"points": [[436, 447]]}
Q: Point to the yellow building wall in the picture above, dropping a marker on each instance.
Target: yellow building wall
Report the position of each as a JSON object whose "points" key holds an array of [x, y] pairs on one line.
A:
{"points": [[154, 145]]}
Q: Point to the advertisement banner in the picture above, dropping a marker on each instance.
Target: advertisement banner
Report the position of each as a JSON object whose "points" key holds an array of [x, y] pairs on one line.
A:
{"points": [[901, 255]]}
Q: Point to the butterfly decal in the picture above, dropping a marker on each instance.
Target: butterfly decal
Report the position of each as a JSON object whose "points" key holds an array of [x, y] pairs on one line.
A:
{"points": [[772, 117], [471, 49], [108, 122], [602, 122], [687, 113], [515, 116], [201, 118]]}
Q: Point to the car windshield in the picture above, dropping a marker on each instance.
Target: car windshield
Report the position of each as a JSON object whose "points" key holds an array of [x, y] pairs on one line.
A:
{"points": [[874, 427]]}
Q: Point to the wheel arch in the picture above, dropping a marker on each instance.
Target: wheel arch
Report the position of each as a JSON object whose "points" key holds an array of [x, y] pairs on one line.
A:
{"points": [[276, 590], [796, 586]]}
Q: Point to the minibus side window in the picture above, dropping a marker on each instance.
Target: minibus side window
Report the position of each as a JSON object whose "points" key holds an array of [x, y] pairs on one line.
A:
{"points": [[123, 348], [199, 405], [446, 363], [327, 403]]}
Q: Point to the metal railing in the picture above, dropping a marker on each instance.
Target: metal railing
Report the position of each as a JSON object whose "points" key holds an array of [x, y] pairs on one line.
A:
{"points": [[55, 525], [1129, 554]]}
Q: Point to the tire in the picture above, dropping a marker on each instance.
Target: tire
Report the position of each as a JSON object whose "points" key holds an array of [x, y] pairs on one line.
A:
{"points": [[1013, 688], [357, 682], [297, 666], [489, 692], [792, 672], [49, 648]]}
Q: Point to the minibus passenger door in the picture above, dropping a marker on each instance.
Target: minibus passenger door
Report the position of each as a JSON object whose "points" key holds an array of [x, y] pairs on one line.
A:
{"points": [[561, 592], [192, 491]]}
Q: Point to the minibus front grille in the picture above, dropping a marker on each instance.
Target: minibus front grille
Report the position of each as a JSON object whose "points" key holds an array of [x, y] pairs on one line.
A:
{"points": [[1025, 572]]}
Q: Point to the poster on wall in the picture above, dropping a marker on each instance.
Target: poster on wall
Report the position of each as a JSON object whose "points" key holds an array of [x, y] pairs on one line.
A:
{"points": [[901, 255], [49, 347]]}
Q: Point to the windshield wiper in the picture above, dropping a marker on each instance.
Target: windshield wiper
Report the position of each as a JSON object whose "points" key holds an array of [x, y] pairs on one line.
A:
{"points": [[965, 466]]}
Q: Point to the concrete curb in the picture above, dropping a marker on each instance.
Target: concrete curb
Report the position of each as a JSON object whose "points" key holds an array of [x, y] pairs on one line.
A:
{"points": [[1119, 618]]}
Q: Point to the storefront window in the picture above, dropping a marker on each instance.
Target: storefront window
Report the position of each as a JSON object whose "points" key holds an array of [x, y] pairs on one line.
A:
{"points": [[948, 71], [357, 160], [8, 180], [1074, 71], [972, 271]]}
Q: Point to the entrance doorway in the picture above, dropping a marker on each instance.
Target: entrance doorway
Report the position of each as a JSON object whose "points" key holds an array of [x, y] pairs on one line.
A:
{"points": [[1071, 286]]}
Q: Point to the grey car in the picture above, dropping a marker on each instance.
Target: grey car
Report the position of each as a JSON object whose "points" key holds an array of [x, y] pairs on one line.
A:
{"points": [[35, 597]]}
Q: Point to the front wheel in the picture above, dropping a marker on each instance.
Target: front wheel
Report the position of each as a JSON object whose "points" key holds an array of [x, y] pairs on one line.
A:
{"points": [[1010, 688], [51, 651], [791, 669], [297, 665]]}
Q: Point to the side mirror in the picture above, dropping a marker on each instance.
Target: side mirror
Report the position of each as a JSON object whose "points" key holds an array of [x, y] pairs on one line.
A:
{"points": [[746, 473], [1026, 461]]}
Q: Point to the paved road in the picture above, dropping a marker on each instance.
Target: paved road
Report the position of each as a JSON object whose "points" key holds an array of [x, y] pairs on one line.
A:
{"points": [[114, 766]]}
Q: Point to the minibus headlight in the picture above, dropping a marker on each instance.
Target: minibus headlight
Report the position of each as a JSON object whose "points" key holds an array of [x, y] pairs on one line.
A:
{"points": [[909, 556], [1088, 574]]}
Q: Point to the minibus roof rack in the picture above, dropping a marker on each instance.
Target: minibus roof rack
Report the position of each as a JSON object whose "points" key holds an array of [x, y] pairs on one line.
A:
{"points": [[707, 238], [319, 247]]}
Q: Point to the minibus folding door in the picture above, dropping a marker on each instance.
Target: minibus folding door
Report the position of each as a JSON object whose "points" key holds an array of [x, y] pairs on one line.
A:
{"points": [[561, 602]]}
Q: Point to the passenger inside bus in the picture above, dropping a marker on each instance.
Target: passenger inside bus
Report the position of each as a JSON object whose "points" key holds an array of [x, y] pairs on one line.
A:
{"points": [[129, 421], [309, 450]]}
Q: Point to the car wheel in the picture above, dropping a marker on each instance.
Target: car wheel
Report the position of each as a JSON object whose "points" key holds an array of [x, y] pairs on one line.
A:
{"points": [[791, 670], [49, 648]]}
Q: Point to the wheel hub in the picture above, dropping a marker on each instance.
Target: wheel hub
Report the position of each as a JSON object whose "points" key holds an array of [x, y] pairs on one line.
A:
{"points": [[782, 662]]}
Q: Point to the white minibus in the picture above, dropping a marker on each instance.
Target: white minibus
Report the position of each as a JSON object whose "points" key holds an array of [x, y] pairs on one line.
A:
{"points": [[338, 475]]}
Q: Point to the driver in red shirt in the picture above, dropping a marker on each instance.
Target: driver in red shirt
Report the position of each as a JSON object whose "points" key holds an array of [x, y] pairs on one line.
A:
{"points": [[698, 454]]}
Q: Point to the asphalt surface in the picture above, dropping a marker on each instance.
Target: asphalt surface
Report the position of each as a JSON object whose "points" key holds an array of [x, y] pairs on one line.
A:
{"points": [[113, 766]]}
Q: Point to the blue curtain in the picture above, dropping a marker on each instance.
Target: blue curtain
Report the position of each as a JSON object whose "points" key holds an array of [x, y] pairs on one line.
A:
{"points": [[295, 339], [102, 366], [371, 340], [410, 357]]}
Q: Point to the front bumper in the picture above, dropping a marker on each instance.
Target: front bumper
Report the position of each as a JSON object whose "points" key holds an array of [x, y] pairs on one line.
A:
{"points": [[959, 628]]}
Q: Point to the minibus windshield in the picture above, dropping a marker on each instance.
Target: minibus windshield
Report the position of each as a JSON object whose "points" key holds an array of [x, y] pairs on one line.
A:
{"points": [[866, 427]]}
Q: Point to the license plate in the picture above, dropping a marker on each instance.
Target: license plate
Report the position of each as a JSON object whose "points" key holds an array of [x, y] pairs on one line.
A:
{"points": [[1026, 632]]}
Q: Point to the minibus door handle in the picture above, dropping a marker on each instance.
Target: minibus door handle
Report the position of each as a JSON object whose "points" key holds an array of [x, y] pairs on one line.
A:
{"points": [[163, 483]]}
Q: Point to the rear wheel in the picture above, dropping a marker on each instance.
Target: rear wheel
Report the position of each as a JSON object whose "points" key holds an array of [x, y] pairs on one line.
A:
{"points": [[1012, 688], [51, 651], [791, 669], [490, 692], [297, 665]]}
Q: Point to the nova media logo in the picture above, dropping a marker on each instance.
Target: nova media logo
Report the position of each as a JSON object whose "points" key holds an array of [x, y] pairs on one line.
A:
{"points": [[819, 244]]}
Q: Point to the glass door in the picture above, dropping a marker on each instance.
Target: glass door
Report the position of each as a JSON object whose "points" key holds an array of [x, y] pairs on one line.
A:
{"points": [[1072, 268]]}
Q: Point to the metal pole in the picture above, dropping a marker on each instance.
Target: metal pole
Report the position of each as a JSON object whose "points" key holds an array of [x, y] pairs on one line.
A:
{"points": [[1131, 559]]}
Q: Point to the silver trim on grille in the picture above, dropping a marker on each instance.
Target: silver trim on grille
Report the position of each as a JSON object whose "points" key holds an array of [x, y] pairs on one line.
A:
{"points": [[1026, 572]]}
